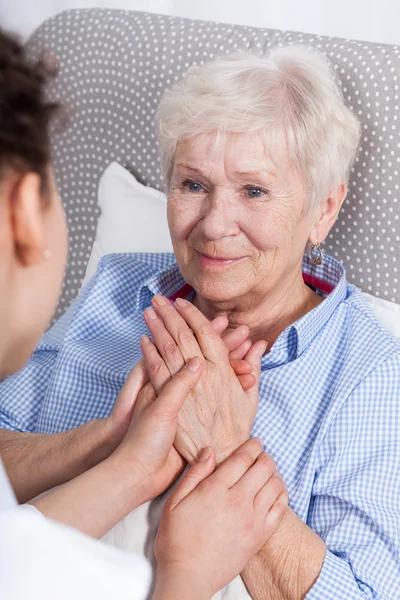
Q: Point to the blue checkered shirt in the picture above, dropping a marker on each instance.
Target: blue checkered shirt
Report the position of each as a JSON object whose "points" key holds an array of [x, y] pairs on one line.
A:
{"points": [[329, 409]]}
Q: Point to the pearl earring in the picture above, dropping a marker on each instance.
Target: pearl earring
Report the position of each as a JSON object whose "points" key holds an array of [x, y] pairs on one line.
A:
{"points": [[47, 254]]}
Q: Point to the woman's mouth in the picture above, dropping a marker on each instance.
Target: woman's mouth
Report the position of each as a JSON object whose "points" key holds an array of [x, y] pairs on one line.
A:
{"points": [[218, 261]]}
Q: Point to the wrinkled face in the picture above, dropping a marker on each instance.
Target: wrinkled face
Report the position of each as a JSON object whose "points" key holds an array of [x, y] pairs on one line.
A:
{"points": [[236, 217]]}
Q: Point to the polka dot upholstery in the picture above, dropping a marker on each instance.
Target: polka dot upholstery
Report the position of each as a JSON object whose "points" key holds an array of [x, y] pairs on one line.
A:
{"points": [[114, 67]]}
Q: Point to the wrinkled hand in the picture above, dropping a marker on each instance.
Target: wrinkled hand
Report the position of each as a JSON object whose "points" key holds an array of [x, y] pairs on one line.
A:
{"points": [[147, 448], [217, 412], [237, 344], [213, 524]]}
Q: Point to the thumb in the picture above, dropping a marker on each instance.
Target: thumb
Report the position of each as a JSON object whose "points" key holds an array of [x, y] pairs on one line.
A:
{"points": [[175, 392], [194, 476], [127, 397], [219, 324]]}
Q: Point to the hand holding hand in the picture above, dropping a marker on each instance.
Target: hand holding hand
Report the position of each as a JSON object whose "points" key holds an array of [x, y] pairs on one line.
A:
{"points": [[236, 343], [218, 412], [213, 524], [147, 449]]}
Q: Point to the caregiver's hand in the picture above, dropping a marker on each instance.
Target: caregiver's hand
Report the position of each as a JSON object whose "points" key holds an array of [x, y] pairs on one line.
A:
{"points": [[142, 467], [218, 412], [147, 449], [213, 524]]}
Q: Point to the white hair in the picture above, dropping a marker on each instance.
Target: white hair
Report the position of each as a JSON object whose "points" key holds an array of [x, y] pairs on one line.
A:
{"points": [[290, 95]]}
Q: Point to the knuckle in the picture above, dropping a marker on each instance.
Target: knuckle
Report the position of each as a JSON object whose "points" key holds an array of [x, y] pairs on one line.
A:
{"points": [[282, 506], [255, 445], [156, 367], [184, 335], [206, 330], [170, 347], [157, 324], [152, 352], [277, 485], [244, 457], [267, 462]]}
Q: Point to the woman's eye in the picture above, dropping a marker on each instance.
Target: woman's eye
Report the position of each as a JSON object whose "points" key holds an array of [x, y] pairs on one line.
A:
{"points": [[255, 192], [193, 186]]}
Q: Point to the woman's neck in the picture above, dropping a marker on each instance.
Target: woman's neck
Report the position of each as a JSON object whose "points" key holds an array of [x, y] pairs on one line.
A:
{"points": [[267, 317]]}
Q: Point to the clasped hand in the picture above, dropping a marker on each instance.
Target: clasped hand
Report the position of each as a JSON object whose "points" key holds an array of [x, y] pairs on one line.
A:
{"points": [[217, 412], [193, 399]]}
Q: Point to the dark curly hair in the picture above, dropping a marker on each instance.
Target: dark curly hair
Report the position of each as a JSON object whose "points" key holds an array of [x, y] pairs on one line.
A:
{"points": [[25, 113]]}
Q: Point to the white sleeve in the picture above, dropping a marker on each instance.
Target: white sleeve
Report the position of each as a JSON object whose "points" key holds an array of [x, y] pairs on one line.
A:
{"points": [[42, 560]]}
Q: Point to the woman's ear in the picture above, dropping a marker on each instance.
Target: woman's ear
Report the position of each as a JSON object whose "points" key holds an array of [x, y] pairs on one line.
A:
{"points": [[327, 215], [26, 211]]}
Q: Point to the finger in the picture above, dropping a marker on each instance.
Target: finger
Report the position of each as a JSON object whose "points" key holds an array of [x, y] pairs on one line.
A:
{"points": [[255, 478], [178, 328], [194, 476], [247, 382], [254, 357], [164, 342], [209, 341], [126, 400], [243, 370], [235, 338], [156, 367], [220, 324], [241, 351], [269, 493], [276, 514], [241, 367], [233, 469], [146, 397], [174, 394]]}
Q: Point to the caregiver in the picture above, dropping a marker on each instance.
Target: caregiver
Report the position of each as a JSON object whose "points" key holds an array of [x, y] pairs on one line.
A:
{"points": [[245, 494]]}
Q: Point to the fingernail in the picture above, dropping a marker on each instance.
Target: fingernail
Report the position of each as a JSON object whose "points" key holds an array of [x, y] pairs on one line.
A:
{"points": [[194, 364], [160, 300], [150, 313], [205, 454], [260, 441], [181, 302], [262, 349], [145, 339]]}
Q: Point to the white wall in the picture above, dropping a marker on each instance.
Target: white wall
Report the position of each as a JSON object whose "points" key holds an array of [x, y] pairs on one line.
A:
{"points": [[374, 20]]}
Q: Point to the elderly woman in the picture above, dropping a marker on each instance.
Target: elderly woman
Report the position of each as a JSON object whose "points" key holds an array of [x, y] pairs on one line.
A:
{"points": [[256, 154]]}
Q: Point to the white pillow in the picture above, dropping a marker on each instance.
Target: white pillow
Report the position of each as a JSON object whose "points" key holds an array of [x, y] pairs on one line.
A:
{"points": [[387, 313], [133, 217]]}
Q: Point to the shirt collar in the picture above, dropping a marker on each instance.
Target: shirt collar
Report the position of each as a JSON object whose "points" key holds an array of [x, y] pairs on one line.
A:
{"points": [[168, 282], [329, 279]]}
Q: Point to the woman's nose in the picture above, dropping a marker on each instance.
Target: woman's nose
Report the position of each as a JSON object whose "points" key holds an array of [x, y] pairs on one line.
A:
{"points": [[220, 218]]}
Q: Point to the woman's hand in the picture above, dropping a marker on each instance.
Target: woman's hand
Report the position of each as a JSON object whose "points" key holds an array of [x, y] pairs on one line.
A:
{"points": [[218, 412], [147, 449], [236, 343], [213, 524]]}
